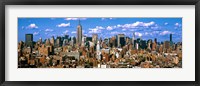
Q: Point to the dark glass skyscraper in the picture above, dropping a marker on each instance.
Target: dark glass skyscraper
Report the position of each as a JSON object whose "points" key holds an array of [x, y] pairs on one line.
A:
{"points": [[66, 37], [171, 42], [121, 40], [29, 40], [170, 37]]}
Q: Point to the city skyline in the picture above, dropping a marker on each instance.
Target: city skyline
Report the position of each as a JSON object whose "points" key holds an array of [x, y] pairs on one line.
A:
{"points": [[124, 49], [146, 28]]}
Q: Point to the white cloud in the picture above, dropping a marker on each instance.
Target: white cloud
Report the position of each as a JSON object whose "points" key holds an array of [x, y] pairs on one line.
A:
{"points": [[119, 25], [66, 31], [106, 18], [36, 33], [97, 29], [73, 32], [147, 33], [114, 32], [32, 26], [155, 27], [155, 32], [94, 30], [75, 18], [64, 25], [109, 28], [83, 31], [87, 35], [123, 29], [138, 34], [100, 27], [177, 25], [49, 30], [165, 23], [165, 32], [137, 25], [23, 27], [132, 30], [143, 24], [152, 33]]}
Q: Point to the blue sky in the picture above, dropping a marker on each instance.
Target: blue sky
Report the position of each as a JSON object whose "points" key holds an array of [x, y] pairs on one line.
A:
{"points": [[146, 28]]}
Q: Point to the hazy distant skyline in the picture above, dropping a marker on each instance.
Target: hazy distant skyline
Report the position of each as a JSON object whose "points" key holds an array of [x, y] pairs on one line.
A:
{"points": [[147, 28]]}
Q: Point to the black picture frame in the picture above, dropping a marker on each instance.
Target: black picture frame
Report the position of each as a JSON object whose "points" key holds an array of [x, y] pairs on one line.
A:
{"points": [[98, 2]]}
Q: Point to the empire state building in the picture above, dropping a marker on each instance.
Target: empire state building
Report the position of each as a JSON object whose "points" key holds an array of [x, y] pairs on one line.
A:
{"points": [[79, 34]]}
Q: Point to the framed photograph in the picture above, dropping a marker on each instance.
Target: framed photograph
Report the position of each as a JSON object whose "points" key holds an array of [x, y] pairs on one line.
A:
{"points": [[101, 42]]}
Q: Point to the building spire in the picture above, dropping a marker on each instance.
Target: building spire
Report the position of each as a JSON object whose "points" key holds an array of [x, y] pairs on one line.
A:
{"points": [[79, 22]]}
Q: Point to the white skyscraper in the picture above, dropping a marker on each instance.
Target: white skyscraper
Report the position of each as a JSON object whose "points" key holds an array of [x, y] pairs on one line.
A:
{"points": [[72, 41], [137, 46], [98, 51], [83, 41], [64, 42]]}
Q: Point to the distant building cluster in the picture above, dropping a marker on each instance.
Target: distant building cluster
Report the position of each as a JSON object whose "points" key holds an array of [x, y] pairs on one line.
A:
{"points": [[81, 51]]}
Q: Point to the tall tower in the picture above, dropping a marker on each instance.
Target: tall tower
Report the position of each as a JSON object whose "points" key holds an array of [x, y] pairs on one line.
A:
{"points": [[58, 41], [171, 42], [72, 41], [94, 38], [47, 42], [52, 41], [133, 40], [170, 37], [40, 41], [98, 51], [79, 33]]}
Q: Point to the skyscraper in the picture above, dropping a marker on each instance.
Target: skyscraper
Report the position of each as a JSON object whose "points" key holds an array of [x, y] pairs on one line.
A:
{"points": [[133, 40], [143, 44], [155, 40], [52, 41], [170, 37], [171, 42], [98, 51], [120, 40], [58, 41], [72, 41], [29, 40], [47, 42], [83, 41], [40, 41], [94, 38], [106, 41], [88, 39], [154, 45], [167, 44], [79, 34], [64, 42], [66, 36]]}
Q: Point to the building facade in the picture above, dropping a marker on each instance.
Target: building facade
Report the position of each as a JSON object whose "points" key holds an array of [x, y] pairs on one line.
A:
{"points": [[79, 34], [29, 40]]}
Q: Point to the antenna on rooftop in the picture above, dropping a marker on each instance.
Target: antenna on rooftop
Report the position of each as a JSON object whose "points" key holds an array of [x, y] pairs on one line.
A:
{"points": [[79, 22]]}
